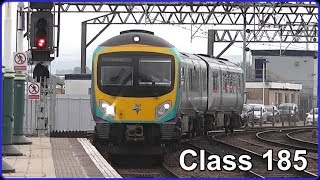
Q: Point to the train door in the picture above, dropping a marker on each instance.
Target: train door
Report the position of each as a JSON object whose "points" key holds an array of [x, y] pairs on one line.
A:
{"points": [[214, 90], [203, 86], [234, 86], [183, 85], [186, 96], [240, 89], [195, 89], [228, 100]]}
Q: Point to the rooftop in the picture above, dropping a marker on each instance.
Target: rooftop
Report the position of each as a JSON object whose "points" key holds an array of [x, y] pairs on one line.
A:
{"points": [[283, 53]]}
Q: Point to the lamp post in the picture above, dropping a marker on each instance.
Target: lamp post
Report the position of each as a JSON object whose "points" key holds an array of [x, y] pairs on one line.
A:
{"points": [[263, 78]]}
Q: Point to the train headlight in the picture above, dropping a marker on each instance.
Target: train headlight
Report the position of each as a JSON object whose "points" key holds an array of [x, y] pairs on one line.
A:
{"points": [[136, 38], [107, 108], [163, 109]]}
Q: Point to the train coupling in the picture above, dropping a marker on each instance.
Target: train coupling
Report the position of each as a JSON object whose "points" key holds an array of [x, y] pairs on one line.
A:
{"points": [[134, 133]]}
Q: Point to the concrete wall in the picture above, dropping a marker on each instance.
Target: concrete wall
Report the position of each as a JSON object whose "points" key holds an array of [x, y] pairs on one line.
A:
{"points": [[293, 69]]}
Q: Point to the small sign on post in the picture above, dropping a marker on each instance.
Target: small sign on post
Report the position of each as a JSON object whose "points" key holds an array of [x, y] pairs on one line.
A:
{"points": [[20, 61], [33, 91]]}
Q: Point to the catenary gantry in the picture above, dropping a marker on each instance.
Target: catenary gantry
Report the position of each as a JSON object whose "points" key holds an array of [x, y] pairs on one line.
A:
{"points": [[282, 22]]}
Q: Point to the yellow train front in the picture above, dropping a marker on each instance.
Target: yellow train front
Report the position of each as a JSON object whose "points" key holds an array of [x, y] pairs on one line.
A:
{"points": [[134, 99]]}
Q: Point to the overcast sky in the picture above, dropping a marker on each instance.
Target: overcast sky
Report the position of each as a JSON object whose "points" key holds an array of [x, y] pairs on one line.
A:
{"points": [[180, 37]]}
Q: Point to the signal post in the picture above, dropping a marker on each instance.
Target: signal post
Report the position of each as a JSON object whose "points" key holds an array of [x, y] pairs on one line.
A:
{"points": [[42, 47]]}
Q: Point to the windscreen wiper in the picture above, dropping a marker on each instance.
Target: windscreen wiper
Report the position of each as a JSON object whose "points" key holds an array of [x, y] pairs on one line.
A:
{"points": [[121, 72], [148, 78]]}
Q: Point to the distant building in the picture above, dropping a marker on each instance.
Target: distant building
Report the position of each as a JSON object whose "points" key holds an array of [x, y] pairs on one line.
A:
{"points": [[274, 93], [289, 66], [78, 84]]}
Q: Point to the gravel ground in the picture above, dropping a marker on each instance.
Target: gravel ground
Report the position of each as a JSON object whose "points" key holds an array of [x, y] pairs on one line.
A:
{"points": [[281, 137], [306, 136]]}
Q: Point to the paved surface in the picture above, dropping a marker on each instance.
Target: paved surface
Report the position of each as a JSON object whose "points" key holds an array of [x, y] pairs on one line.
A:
{"points": [[104, 167], [36, 162], [65, 159], [60, 157]]}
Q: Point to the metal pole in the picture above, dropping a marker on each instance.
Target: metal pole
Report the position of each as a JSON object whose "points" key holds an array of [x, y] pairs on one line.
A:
{"points": [[7, 52], [313, 123], [83, 47], [7, 117], [273, 116], [19, 87], [6, 168], [295, 117], [263, 83], [19, 103], [302, 117], [289, 118], [260, 117], [20, 27], [210, 41], [244, 51], [282, 117]]}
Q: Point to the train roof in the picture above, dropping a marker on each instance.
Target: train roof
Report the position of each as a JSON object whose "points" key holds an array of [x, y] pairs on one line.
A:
{"points": [[209, 59], [137, 37]]}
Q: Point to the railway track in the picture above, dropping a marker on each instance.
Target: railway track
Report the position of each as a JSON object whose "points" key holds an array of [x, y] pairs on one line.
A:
{"points": [[281, 137], [210, 151], [258, 156], [249, 140], [299, 136], [250, 145], [159, 171], [139, 166]]}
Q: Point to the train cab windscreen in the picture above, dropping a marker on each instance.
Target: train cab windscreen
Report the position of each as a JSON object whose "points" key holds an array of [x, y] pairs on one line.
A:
{"points": [[155, 72], [135, 74]]}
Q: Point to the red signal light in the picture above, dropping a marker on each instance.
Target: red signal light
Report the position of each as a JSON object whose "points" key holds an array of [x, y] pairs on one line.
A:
{"points": [[41, 43]]}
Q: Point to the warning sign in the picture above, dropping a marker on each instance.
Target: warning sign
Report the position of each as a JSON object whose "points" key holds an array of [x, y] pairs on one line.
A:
{"points": [[20, 61], [33, 91]]}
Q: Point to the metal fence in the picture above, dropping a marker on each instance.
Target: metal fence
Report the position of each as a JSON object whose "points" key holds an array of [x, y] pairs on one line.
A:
{"points": [[73, 113], [70, 113], [283, 118]]}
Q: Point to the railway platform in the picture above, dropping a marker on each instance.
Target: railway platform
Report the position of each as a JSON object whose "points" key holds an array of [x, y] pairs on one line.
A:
{"points": [[59, 157]]}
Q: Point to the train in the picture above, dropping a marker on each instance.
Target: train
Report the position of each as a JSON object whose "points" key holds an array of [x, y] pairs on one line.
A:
{"points": [[145, 93]]}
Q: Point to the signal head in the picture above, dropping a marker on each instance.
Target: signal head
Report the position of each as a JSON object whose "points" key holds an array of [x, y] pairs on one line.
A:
{"points": [[41, 43]]}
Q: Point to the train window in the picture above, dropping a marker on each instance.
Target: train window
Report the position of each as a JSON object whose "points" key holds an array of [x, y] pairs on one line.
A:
{"points": [[235, 83], [231, 82], [182, 76], [196, 80], [116, 75], [240, 83], [204, 80], [225, 79], [215, 77], [156, 72], [190, 79]]}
